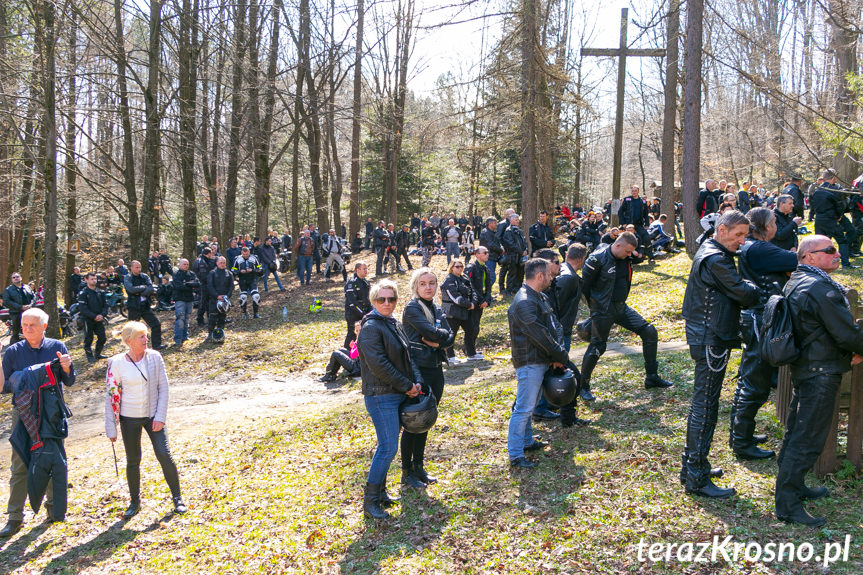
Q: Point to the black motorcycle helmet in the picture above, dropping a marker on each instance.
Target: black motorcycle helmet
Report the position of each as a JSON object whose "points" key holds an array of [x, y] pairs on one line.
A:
{"points": [[582, 329], [418, 414], [558, 386]]}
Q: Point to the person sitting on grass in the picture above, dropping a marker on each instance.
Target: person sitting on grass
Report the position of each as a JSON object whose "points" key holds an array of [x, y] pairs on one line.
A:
{"points": [[347, 359]]}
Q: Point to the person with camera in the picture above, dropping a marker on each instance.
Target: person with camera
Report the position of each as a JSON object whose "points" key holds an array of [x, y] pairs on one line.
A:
{"points": [[429, 334], [768, 267], [332, 249], [831, 342], [185, 283], [388, 375], [220, 286], [715, 292], [266, 255], [247, 269], [94, 309], [457, 301], [536, 337], [139, 288]]}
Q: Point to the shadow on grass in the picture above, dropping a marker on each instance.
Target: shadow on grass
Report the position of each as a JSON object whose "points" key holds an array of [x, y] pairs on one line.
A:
{"points": [[13, 556], [95, 550], [417, 523]]}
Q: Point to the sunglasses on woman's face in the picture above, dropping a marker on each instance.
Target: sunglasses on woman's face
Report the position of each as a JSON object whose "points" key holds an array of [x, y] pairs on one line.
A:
{"points": [[828, 250], [386, 299]]}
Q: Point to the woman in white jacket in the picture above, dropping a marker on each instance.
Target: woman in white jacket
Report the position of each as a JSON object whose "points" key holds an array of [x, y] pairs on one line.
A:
{"points": [[136, 401]]}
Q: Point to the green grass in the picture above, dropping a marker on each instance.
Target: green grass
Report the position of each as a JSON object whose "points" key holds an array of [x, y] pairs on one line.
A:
{"points": [[282, 493]]}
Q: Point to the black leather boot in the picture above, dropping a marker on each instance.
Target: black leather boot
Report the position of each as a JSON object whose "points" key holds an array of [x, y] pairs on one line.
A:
{"points": [[132, 510], [386, 499], [753, 452], [800, 515], [411, 480], [654, 381], [812, 493], [708, 489], [420, 473], [372, 502]]}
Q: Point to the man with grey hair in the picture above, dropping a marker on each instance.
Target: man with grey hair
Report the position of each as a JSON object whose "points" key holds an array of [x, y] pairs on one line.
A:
{"points": [[786, 223], [34, 349], [833, 343], [708, 198]]}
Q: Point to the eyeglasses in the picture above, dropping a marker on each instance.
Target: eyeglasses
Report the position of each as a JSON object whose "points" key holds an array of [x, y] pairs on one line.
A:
{"points": [[458, 266], [392, 299], [828, 250]]}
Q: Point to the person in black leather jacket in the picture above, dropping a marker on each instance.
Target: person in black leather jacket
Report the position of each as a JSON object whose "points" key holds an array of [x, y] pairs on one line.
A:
{"points": [[247, 268], [569, 292], [185, 283], [822, 317], [388, 375], [481, 280], [18, 298], [139, 288], [786, 223], [535, 336], [380, 242], [715, 292], [635, 210], [403, 244], [202, 266], [457, 301], [488, 238], [606, 280], [357, 302], [829, 208], [429, 334], [516, 250], [93, 308], [220, 285], [767, 266], [540, 234]]}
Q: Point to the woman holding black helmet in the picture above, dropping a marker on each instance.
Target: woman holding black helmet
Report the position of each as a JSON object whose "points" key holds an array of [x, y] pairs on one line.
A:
{"points": [[388, 376], [429, 333]]}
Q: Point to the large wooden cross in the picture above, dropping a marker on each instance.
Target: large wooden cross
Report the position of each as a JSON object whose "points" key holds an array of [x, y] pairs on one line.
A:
{"points": [[621, 53]]}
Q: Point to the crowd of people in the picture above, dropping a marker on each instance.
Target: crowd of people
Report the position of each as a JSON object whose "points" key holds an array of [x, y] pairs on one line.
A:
{"points": [[399, 358]]}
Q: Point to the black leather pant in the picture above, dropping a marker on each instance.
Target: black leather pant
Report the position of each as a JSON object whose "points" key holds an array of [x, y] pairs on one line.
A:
{"points": [[379, 262], [806, 430], [341, 358], [710, 364], [413, 445], [754, 381], [515, 277], [567, 412], [600, 325], [147, 316], [91, 328]]}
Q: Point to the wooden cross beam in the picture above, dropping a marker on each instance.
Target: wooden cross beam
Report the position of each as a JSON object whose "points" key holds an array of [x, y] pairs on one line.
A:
{"points": [[620, 53]]}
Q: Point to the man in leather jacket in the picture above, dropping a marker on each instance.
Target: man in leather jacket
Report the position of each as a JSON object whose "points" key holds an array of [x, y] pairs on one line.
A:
{"points": [[357, 302], [569, 291], [793, 190], [185, 284], [202, 267], [139, 288], [488, 239], [606, 281], [18, 298], [516, 250], [93, 308], [403, 243], [715, 292], [380, 242], [535, 336], [634, 210], [481, 281], [768, 267], [829, 208], [541, 236], [786, 223], [246, 269], [822, 317], [503, 262], [220, 285], [428, 238]]}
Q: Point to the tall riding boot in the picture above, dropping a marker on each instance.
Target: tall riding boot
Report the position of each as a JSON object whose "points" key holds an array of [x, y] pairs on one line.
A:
{"points": [[255, 310], [386, 499], [742, 440], [588, 363], [372, 502], [420, 473]]}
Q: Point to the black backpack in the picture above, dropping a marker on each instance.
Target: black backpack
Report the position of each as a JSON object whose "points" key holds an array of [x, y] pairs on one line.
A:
{"points": [[777, 345]]}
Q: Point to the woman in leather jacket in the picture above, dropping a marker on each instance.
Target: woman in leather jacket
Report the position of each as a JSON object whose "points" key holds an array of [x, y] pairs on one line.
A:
{"points": [[388, 376], [457, 298], [429, 333]]}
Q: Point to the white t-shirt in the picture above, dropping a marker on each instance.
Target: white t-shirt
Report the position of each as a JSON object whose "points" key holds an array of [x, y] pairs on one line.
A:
{"points": [[135, 399]]}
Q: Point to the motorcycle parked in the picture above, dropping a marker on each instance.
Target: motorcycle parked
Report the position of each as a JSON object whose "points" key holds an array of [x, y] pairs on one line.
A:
{"points": [[284, 261], [7, 321], [115, 300]]}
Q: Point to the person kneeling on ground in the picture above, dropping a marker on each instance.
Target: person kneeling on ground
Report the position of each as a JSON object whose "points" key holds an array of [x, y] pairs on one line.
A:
{"points": [[347, 359]]}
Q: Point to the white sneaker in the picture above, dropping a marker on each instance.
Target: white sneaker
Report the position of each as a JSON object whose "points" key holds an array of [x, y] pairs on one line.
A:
{"points": [[476, 357], [454, 361]]}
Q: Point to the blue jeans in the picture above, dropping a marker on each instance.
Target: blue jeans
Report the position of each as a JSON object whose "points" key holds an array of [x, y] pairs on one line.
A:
{"points": [[275, 275], [384, 410], [304, 264], [491, 266], [527, 393], [452, 251], [182, 311]]}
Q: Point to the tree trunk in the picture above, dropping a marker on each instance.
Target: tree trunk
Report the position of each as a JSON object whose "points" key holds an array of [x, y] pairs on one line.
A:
{"points": [[843, 42], [71, 168], [188, 84], [239, 38], [528, 156], [672, 31], [354, 214], [49, 135], [6, 181], [210, 154], [132, 221], [692, 123]]}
